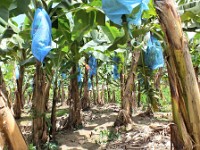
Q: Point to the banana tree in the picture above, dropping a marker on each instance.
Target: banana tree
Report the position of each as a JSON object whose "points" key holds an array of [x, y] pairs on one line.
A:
{"points": [[195, 50], [16, 45], [6, 12], [77, 16], [133, 17], [185, 98]]}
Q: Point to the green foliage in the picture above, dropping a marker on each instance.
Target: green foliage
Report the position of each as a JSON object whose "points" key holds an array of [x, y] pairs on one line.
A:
{"points": [[165, 102], [61, 112], [195, 49], [118, 96], [11, 8], [106, 136], [190, 15], [51, 146], [32, 147]]}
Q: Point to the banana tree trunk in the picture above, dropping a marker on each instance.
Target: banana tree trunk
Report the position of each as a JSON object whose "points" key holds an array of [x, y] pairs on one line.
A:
{"points": [[124, 116], [108, 91], [157, 80], [93, 90], [19, 100], [196, 69], [113, 100], [75, 118], [97, 89], [9, 127], [62, 93], [85, 100], [102, 95], [122, 84], [2, 140], [4, 91], [39, 107], [186, 103], [139, 94], [53, 111]]}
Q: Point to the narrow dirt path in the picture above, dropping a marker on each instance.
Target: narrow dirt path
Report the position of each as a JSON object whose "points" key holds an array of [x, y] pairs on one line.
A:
{"points": [[146, 132]]}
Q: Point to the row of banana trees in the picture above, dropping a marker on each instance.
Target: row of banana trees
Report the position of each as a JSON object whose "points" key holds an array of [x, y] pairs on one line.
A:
{"points": [[79, 30]]}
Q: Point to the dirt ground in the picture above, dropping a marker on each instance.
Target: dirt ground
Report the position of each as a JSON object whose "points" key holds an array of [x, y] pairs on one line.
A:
{"points": [[146, 132]]}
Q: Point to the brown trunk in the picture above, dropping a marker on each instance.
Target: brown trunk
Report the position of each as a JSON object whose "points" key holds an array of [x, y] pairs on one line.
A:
{"points": [[180, 63], [62, 93], [108, 91], [69, 99], [157, 80], [133, 94], [196, 69], [102, 95], [46, 93], [17, 105], [75, 118], [113, 96], [53, 111], [93, 90], [2, 140], [85, 100], [19, 100], [178, 117], [59, 92], [98, 91], [139, 94], [39, 107], [124, 116], [46, 99], [9, 128], [4, 91], [122, 85]]}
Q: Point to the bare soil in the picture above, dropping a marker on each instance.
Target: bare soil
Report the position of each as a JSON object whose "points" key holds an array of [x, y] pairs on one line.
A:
{"points": [[147, 132]]}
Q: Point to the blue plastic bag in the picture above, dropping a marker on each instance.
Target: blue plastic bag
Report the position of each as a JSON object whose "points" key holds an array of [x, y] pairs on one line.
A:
{"points": [[79, 76], [41, 34], [93, 66], [114, 9], [17, 74], [64, 76], [89, 84], [115, 67], [153, 56]]}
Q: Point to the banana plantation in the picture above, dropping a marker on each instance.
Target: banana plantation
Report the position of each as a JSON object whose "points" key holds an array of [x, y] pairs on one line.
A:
{"points": [[99, 74]]}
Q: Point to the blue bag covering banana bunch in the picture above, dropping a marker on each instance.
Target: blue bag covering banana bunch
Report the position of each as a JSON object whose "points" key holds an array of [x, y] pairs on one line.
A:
{"points": [[93, 66], [116, 60], [89, 84], [41, 34], [153, 56], [79, 77], [114, 9], [17, 74]]}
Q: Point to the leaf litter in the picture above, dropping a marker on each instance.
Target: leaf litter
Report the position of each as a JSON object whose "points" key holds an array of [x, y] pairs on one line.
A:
{"points": [[147, 132]]}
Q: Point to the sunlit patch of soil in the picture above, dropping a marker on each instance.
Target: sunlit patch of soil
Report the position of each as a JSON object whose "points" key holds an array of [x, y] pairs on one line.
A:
{"points": [[146, 132]]}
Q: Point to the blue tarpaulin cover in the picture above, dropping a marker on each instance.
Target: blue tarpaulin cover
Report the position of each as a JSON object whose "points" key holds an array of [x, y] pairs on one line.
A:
{"points": [[93, 66], [153, 56], [64, 76], [115, 67], [89, 84], [114, 9], [17, 74], [79, 77], [41, 34]]}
